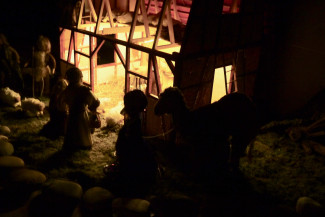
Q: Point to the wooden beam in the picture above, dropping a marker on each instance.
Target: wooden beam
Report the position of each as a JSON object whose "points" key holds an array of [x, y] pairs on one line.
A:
{"points": [[156, 72], [99, 16], [171, 66], [119, 54], [92, 10], [81, 12], [170, 25], [167, 46], [97, 48], [160, 22], [121, 29], [136, 74], [145, 18], [134, 20], [174, 56], [109, 11], [176, 15]]}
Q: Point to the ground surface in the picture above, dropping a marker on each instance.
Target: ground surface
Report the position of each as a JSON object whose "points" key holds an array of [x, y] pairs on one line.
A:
{"points": [[280, 169]]}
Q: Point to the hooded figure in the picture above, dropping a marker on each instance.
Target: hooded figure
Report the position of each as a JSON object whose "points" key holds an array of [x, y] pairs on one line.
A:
{"points": [[137, 165]]}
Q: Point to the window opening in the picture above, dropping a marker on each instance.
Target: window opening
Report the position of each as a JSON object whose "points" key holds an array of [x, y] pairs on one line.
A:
{"points": [[224, 82]]}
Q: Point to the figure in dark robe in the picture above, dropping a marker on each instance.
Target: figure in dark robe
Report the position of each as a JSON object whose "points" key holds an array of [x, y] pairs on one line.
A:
{"points": [[57, 124], [136, 163], [79, 100]]}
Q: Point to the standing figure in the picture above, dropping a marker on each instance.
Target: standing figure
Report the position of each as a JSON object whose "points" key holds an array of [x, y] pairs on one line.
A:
{"points": [[79, 100], [56, 126], [10, 71], [136, 162], [41, 66]]}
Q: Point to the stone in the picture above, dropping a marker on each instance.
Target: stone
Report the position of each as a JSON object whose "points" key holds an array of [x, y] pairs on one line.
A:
{"points": [[97, 201], [130, 207], [6, 148], [8, 164], [4, 130], [11, 162], [309, 207], [26, 177], [18, 186], [59, 198], [3, 137]]}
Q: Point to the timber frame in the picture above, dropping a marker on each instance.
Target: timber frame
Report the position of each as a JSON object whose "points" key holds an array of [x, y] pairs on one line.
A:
{"points": [[213, 39]]}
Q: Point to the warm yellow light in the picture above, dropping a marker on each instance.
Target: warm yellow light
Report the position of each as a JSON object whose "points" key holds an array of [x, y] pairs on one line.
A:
{"points": [[219, 85]]}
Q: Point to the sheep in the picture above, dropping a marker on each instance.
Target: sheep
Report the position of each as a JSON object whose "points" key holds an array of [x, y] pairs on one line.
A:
{"points": [[32, 106], [10, 97]]}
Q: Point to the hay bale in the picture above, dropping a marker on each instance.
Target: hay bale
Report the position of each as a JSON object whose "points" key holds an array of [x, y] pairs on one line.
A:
{"points": [[59, 198], [6, 148], [130, 207]]}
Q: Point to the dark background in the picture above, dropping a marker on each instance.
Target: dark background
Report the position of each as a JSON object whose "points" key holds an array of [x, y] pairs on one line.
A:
{"points": [[23, 21]]}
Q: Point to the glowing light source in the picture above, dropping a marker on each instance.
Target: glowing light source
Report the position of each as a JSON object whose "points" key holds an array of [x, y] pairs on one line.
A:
{"points": [[219, 84]]}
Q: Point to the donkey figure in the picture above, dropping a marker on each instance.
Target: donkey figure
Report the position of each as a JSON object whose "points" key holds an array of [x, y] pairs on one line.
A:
{"points": [[218, 133]]}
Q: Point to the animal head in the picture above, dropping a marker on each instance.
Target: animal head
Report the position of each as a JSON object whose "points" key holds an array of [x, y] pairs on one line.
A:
{"points": [[170, 101]]}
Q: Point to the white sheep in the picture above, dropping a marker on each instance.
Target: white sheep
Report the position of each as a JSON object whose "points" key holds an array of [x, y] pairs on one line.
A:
{"points": [[10, 97], [114, 113], [33, 106]]}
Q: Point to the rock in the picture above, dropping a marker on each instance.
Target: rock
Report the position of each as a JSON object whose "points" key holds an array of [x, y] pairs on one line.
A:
{"points": [[97, 202], [5, 130], [6, 148], [11, 162], [59, 198], [130, 207], [25, 177], [308, 207], [15, 208], [3, 137], [18, 187], [8, 164]]}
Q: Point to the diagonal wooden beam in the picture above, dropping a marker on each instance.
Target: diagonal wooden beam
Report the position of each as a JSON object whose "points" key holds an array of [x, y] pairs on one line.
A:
{"points": [[145, 18], [100, 15], [109, 11], [92, 10], [160, 22], [119, 54], [82, 6], [170, 25]]}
